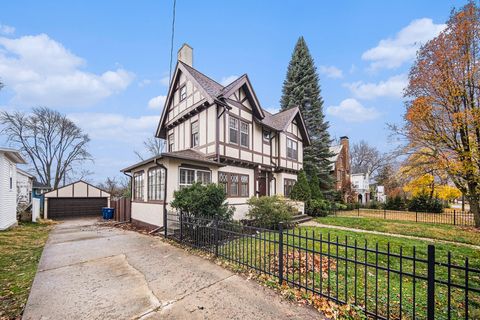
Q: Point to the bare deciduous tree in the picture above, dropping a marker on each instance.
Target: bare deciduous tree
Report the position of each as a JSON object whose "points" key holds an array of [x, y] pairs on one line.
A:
{"points": [[366, 158], [52, 142], [153, 147], [116, 187]]}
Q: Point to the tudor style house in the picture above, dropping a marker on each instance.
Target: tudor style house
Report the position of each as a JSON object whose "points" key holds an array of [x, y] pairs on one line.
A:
{"points": [[217, 134]]}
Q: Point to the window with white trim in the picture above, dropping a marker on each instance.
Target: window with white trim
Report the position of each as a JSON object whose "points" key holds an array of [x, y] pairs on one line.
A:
{"points": [[244, 134], [183, 93], [156, 184], [138, 186], [190, 176], [194, 134], [233, 125], [292, 146]]}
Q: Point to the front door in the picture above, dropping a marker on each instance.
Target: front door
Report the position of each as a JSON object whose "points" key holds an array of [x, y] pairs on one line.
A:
{"points": [[262, 185]]}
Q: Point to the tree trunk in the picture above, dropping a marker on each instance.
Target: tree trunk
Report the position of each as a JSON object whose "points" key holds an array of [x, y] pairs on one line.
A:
{"points": [[474, 200]]}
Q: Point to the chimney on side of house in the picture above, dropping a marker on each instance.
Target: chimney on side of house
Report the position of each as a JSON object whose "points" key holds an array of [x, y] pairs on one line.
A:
{"points": [[185, 54], [346, 146]]}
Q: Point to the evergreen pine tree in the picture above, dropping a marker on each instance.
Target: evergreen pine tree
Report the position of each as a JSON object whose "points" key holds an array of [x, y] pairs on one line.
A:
{"points": [[301, 88], [315, 186], [301, 189]]}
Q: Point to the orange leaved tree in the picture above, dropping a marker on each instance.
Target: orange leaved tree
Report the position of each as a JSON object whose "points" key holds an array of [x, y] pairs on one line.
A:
{"points": [[443, 102]]}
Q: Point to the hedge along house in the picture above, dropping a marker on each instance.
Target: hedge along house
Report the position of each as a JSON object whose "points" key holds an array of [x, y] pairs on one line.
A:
{"points": [[217, 134]]}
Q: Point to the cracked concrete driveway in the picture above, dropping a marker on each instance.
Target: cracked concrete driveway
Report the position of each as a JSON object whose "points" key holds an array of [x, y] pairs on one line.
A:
{"points": [[88, 271]]}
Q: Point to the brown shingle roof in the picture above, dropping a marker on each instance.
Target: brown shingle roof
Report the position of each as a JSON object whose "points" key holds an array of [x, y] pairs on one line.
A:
{"points": [[212, 87], [280, 120], [191, 154]]}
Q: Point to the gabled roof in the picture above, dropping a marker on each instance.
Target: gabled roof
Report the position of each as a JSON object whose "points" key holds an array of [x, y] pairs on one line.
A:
{"points": [[215, 92], [188, 154], [13, 155], [25, 173]]}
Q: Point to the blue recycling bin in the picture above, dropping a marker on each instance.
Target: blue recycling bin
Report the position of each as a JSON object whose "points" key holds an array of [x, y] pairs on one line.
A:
{"points": [[107, 213]]}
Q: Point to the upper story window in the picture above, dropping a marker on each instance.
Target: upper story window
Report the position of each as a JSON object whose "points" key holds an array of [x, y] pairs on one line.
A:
{"points": [[171, 142], [239, 132], [233, 130], [194, 135], [266, 136], [183, 92], [156, 184], [244, 134], [190, 176], [138, 186], [292, 149]]}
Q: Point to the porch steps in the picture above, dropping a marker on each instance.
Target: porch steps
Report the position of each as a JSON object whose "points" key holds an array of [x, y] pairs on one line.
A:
{"points": [[300, 218]]}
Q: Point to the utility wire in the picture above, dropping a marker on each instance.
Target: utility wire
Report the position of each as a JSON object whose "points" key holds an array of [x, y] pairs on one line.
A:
{"points": [[173, 35]]}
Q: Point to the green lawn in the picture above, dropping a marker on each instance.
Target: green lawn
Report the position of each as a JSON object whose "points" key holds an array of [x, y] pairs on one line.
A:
{"points": [[468, 235], [347, 278], [20, 251]]}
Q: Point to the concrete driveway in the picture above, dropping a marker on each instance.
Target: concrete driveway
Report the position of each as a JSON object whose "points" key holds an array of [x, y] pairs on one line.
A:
{"points": [[88, 271]]}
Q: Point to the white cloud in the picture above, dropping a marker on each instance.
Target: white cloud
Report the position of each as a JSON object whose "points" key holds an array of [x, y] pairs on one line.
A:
{"points": [[6, 30], [144, 82], [331, 72], [393, 52], [116, 127], [227, 80], [157, 102], [392, 87], [351, 110], [41, 71]]}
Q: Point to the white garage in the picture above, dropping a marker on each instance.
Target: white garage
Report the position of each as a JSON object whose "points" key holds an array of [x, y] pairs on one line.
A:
{"points": [[77, 199]]}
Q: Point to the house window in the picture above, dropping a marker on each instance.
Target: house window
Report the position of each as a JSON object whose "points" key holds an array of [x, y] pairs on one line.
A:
{"points": [[235, 185], [183, 93], [233, 130], [138, 186], [11, 177], [156, 184], [266, 136], [292, 149], [244, 133], [190, 176], [194, 135], [287, 186], [170, 142]]}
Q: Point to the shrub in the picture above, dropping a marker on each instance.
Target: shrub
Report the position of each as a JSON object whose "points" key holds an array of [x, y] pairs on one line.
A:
{"points": [[268, 212], [424, 203], [341, 206], [301, 189], [395, 203], [374, 205], [199, 200], [319, 207]]}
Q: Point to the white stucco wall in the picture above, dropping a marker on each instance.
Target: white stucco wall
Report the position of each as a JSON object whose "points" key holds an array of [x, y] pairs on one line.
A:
{"points": [[8, 196]]}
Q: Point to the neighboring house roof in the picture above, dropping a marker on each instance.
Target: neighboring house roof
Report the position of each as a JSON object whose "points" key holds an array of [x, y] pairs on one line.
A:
{"points": [[13, 155], [25, 173], [215, 92], [39, 185], [335, 150], [188, 154], [55, 192]]}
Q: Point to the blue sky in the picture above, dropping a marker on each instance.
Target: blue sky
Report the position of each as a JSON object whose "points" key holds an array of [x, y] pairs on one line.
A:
{"points": [[105, 63]]}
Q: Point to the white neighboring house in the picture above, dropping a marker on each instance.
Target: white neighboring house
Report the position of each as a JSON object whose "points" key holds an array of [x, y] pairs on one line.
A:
{"points": [[380, 194], [361, 186], [9, 158], [24, 187]]}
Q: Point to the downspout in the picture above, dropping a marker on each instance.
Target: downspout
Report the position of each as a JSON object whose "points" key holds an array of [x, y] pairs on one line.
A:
{"points": [[164, 190]]}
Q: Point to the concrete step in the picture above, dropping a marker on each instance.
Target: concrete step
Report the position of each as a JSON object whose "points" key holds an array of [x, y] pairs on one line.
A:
{"points": [[300, 218]]}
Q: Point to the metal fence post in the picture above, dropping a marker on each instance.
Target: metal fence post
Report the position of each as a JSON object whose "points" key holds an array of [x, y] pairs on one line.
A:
{"points": [[416, 216], [384, 214], [216, 236], [454, 217], [280, 253], [181, 225], [431, 282], [358, 211]]}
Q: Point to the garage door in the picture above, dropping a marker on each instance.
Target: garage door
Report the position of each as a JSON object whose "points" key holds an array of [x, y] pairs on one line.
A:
{"points": [[75, 207]]}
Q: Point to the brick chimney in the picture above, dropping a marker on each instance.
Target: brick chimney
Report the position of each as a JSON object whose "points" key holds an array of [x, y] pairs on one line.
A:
{"points": [[185, 54], [346, 146]]}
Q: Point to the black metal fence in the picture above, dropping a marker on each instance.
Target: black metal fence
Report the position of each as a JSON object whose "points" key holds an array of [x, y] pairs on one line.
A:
{"points": [[453, 217], [385, 282]]}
